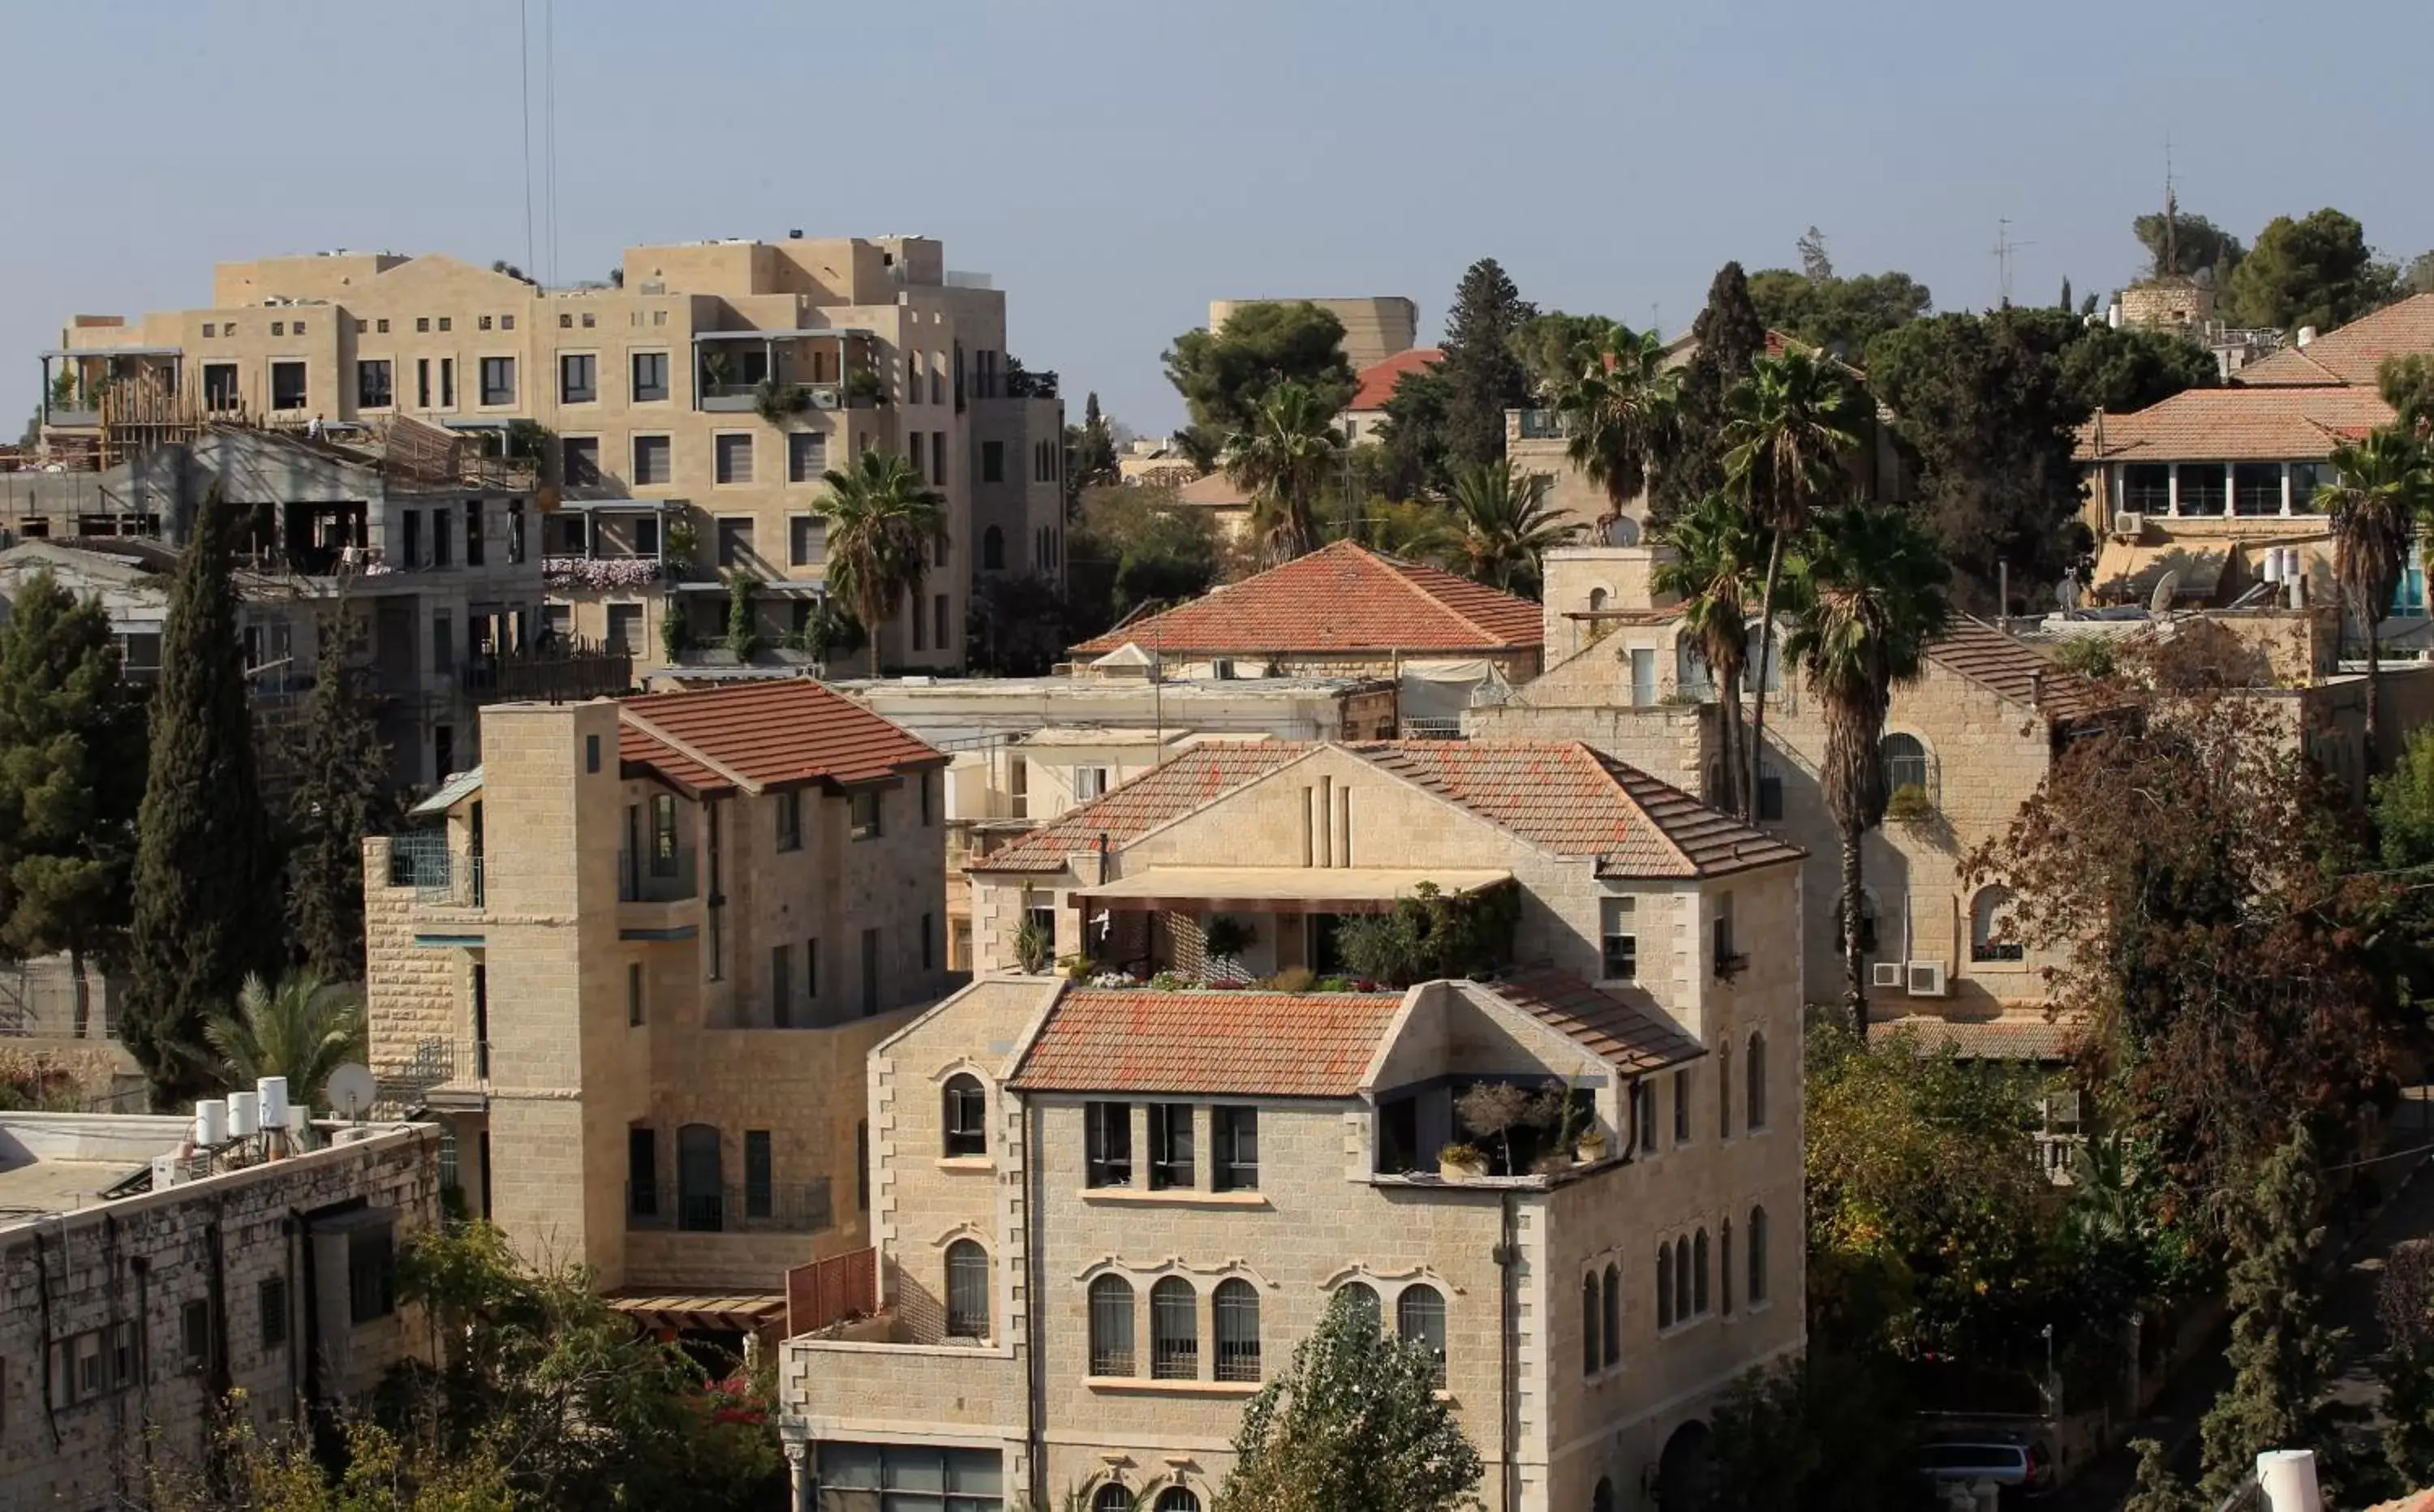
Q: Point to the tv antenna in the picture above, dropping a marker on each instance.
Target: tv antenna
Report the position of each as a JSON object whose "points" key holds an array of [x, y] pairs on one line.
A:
{"points": [[2005, 248]]}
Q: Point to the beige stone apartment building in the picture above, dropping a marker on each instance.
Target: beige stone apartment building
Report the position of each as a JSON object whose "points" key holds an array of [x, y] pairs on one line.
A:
{"points": [[1106, 1215], [1375, 327], [141, 1282], [636, 968], [650, 394]]}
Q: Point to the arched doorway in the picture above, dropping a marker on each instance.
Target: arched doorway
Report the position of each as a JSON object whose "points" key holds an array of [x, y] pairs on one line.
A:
{"points": [[1685, 1472]]}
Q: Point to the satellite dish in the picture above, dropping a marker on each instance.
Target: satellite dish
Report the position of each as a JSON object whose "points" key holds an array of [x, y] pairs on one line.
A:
{"points": [[350, 1090], [2167, 587]]}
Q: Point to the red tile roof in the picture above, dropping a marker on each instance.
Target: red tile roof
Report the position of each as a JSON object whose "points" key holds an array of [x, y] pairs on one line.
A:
{"points": [[1192, 780], [1378, 380], [762, 735], [2282, 423], [2015, 669], [1271, 1045], [2021, 1036], [1340, 597], [1633, 1037], [2351, 353]]}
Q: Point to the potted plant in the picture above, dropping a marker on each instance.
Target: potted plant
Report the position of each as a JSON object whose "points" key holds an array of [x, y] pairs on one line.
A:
{"points": [[1223, 942], [1591, 1147], [1033, 950], [862, 386], [683, 545], [1908, 804], [776, 401], [1462, 1163]]}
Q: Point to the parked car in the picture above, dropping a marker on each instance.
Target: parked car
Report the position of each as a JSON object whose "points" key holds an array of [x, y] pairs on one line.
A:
{"points": [[2016, 1463]]}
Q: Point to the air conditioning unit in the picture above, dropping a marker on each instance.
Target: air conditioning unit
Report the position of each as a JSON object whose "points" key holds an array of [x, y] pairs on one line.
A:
{"points": [[2128, 523], [1925, 978], [1886, 975], [824, 398]]}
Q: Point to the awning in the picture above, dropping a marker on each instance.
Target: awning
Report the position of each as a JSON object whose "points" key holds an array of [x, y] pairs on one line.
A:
{"points": [[2134, 568], [703, 1312], [1261, 888], [453, 790], [621, 505], [796, 333], [115, 351]]}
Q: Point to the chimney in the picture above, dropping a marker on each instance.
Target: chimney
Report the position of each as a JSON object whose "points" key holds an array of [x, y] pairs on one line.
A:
{"points": [[2306, 334]]}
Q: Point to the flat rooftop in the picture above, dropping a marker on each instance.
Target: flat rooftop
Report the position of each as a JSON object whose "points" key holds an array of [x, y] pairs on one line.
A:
{"points": [[58, 1163]]}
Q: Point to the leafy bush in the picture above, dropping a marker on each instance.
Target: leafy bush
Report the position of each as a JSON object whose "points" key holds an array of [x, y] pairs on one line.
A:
{"points": [[1908, 804], [1432, 934]]}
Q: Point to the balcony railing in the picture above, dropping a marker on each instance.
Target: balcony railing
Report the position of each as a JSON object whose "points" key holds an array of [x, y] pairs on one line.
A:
{"points": [[783, 1207], [439, 876], [1542, 425], [566, 674], [649, 878]]}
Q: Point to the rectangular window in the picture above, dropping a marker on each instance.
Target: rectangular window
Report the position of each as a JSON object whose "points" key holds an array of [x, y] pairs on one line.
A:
{"points": [[789, 820], [447, 381], [807, 539], [758, 1194], [440, 537], [634, 994], [870, 974], [625, 628], [864, 807], [286, 386], [447, 322], [929, 941], [811, 971], [1108, 1143], [1621, 942], [473, 532], [578, 377], [807, 455], [732, 455], [371, 1274], [1170, 1148], [642, 1173], [423, 382], [270, 1302], [498, 381], [411, 541], [373, 384], [444, 641], [1770, 799], [220, 390], [650, 377], [195, 1334], [921, 786], [1234, 1149], [482, 322], [938, 620], [781, 986], [654, 460], [663, 834], [1681, 1107], [913, 450], [423, 323], [579, 461], [938, 457], [1643, 1116], [734, 542], [992, 462]]}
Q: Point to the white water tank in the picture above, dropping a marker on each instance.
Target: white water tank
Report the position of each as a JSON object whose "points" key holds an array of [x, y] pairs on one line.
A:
{"points": [[245, 1114], [210, 1123], [2288, 1477], [273, 1092]]}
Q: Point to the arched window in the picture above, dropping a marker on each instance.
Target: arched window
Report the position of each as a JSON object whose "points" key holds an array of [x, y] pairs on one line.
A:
{"points": [[1905, 762], [1664, 1286], [1724, 1090], [1361, 1295], [1774, 660], [1754, 1068], [1990, 926], [1693, 677], [1613, 1313], [1111, 1498], [1177, 1499], [968, 1291], [1757, 1256], [1602, 1500], [967, 1115], [1236, 1308], [1420, 1318], [1592, 1335], [1699, 1274], [698, 1183], [1682, 1310], [1725, 1265], [1173, 1330], [993, 550], [1111, 1326], [1597, 599]]}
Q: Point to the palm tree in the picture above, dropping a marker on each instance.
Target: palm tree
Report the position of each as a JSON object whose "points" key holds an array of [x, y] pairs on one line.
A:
{"points": [[303, 1030], [883, 521], [1874, 598], [1715, 562], [1791, 421], [1502, 529], [2380, 488], [1285, 459], [1617, 410]]}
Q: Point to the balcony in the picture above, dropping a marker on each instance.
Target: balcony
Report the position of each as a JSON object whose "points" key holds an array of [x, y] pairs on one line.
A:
{"points": [[1539, 425], [567, 673], [444, 1073], [795, 1207], [441, 878], [663, 878]]}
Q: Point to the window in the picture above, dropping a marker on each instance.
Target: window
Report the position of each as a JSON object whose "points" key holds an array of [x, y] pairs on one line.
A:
{"points": [[1234, 1149], [967, 1115], [220, 390], [1111, 1497], [633, 994], [373, 387], [968, 1291], [929, 941], [1664, 1287], [1090, 782], [758, 1194], [423, 323], [1602, 1500], [498, 381], [195, 1334], [781, 986], [443, 630], [732, 455], [2147, 487], [870, 974], [1643, 1116], [1990, 924], [937, 448], [473, 532], [591, 742], [1682, 1107], [483, 322], [807, 456], [1770, 798], [861, 1165], [578, 377], [1622, 943], [735, 542], [1420, 1318], [1592, 1318], [863, 813], [2256, 489], [992, 462], [270, 1304], [1721, 929], [698, 1208], [1359, 1293], [807, 540], [279, 328], [938, 621], [921, 786], [1699, 1274], [654, 459], [447, 322], [1682, 1312], [1612, 1319], [1173, 1330], [992, 549], [650, 377], [913, 453], [579, 461], [1725, 1267], [1754, 1098], [1170, 1148], [789, 820], [811, 970], [1108, 1156], [447, 379], [286, 386], [1111, 1326], [1236, 1311], [371, 1274], [1905, 762], [1757, 1256], [626, 627], [1177, 1499]]}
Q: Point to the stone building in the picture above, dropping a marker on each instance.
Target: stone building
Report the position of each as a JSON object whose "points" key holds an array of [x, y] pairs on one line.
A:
{"points": [[1375, 327], [140, 1285], [1365, 417], [1105, 1216], [635, 971]]}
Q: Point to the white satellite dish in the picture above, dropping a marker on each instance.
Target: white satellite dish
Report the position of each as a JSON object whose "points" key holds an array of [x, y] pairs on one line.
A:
{"points": [[2167, 587], [350, 1090]]}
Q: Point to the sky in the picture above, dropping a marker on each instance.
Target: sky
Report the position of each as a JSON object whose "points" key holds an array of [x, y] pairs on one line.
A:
{"points": [[1117, 165]]}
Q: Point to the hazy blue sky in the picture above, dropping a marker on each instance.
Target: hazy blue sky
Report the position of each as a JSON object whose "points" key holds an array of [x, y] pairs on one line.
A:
{"points": [[1117, 165]]}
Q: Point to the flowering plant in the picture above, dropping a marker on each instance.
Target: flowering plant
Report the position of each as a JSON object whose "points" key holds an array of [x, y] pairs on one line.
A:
{"points": [[606, 573]]}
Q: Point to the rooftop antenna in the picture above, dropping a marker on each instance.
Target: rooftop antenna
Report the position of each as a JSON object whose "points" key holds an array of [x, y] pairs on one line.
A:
{"points": [[2170, 258], [2004, 249]]}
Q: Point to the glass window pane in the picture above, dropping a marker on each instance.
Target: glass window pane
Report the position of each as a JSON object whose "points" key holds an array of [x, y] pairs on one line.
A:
{"points": [[1237, 1307], [1173, 1330], [1111, 1326], [1420, 1317]]}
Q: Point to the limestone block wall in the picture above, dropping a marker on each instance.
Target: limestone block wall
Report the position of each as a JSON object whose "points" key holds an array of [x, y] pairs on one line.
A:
{"points": [[414, 995]]}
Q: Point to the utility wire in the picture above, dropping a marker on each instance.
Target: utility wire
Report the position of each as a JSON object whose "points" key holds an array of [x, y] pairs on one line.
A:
{"points": [[523, 58]]}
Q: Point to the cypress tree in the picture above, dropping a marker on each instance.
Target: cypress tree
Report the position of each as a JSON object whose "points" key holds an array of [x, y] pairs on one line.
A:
{"points": [[1729, 336], [1482, 371], [71, 758], [207, 907], [342, 793]]}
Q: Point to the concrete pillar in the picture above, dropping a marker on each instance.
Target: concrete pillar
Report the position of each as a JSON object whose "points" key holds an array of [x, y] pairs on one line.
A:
{"points": [[2172, 489], [2285, 488], [799, 1474]]}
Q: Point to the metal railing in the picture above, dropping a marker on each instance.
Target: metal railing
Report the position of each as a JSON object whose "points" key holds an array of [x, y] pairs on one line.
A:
{"points": [[1431, 729], [565, 673], [1542, 425], [782, 1207], [658, 878], [437, 875]]}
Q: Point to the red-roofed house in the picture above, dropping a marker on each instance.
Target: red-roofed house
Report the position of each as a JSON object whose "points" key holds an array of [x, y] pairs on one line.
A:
{"points": [[634, 967], [1362, 418]]}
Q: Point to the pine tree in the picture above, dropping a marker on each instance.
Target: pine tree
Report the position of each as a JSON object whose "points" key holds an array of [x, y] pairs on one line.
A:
{"points": [[71, 754], [1094, 450], [2065, 305], [1484, 373], [1728, 336], [342, 795], [207, 905]]}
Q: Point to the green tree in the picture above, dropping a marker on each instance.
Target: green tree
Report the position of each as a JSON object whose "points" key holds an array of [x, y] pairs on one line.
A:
{"points": [[1286, 458], [1792, 424], [2314, 271], [2404, 803], [1414, 462], [2405, 1307], [2157, 1488], [1548, 346], [1225, 378], [382, 1471], [1618, 412], [883, 521], [1503, 528], [303, 1028], [206, 880], [342, 793], [1484, 374], [1352, 1425], [2126, 369], [1016, 625], [1727, 339], [1873, 599], [2380, 493], [1714, 570], [1760, 1442], [2419, 276], [1094, 450], [2407, 383], [1842, 315], [2196, 245], [1131, 546], [2065, 304], [70, 744]]}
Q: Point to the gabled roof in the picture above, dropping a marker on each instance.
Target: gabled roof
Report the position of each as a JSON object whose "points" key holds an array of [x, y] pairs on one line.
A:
{"points": [[1633, 1038], [2351, 353], [2275, 423], [1192, 780], [1340, 597], [2006, 665], [1377, 381], [1225, 1043], [758, 736]]}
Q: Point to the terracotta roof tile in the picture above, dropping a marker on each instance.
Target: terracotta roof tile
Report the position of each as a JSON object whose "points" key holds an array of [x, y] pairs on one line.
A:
{"points": [[1274, 1044], [2237, 424], [2018, 670], [1340, 597], [1635, 1038], [2028, 1036], [1378, 380], [2351, 353], [1168, 791], [765, 734]]}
